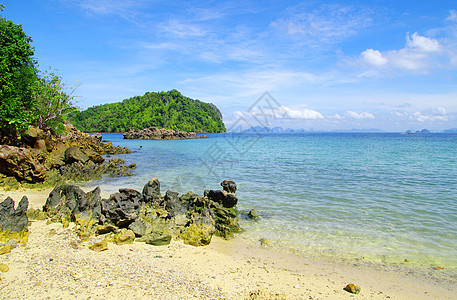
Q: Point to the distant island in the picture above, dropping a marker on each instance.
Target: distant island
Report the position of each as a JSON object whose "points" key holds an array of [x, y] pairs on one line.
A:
{"points": [[423, 131], [170, 110]]}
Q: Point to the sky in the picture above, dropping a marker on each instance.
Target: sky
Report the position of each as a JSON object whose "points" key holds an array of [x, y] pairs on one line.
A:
{"points": [[325, 65]]}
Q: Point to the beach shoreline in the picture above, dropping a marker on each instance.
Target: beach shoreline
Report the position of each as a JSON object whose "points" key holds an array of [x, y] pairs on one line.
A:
{"points": [[50, 265]]}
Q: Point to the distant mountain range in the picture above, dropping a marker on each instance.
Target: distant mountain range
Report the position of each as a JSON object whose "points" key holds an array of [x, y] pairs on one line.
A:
{"points": [[260, 129]]}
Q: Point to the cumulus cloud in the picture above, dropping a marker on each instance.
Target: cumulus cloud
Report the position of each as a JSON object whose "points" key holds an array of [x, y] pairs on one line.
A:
{"points": [[438, 113], [417, 55], [361, 115], [303, 113], [452, 16]]}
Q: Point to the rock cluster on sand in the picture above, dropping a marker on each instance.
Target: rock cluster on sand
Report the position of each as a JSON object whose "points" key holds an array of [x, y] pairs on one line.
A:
{"points": [[13, 224], [154, 133], [39, 156], [149, 216]]}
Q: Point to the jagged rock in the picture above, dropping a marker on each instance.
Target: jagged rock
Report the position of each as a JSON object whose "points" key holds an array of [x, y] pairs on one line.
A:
{"points": [[94, 156], [97, 136], [122, 208], [71, 200], [172, 203], [32, 135], [154, 133], [74, 154], [117, 161], [229, 186], [21, 163], [11, 219], [151, 191]]}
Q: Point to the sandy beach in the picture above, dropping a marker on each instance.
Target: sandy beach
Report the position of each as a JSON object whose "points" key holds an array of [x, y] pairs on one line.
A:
{"points": [[53, 266]]}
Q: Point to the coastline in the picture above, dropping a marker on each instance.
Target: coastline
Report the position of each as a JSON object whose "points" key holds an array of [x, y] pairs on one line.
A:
{"points": [[49, 265]]}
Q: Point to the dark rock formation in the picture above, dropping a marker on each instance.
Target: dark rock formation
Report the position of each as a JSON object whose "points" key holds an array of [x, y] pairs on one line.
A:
{"points": [[122, 208], [151, 217], [154, 133], [13, 220], [226, 197], [70, 200]]}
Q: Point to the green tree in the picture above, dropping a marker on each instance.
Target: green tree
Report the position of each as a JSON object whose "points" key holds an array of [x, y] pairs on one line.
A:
{"points": [[52, 103], [17, 75]]}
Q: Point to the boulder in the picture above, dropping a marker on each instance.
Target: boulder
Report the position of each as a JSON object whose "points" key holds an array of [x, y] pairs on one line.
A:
{"points": [[21, 163], [74, 154], [352, 288], [156, 240], [124, 236], [11, 219], [122, 208]]}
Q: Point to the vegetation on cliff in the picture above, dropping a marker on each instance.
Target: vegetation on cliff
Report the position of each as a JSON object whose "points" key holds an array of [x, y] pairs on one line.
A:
{"points": [[169, 110]]}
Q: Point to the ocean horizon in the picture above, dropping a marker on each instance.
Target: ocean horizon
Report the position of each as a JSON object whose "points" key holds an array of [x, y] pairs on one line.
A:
{"points": [[386, 198]]}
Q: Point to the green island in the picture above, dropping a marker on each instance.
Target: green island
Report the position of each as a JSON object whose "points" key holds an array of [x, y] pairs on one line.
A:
{"points": [[169, 110]]}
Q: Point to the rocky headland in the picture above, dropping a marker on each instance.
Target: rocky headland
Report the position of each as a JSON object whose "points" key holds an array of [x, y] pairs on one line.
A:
{"points": [[38, 156], [154, 133]]}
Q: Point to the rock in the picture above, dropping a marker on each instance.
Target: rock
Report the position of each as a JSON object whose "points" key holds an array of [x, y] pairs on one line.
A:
{"points": [[117, 161], [253, 214], [40, 145], [70, 200], [6, 249], [132, 166], [352, 288], [138, 227], [124, 236], [32, 135], [36, 214], [99, 246], [122, 208], [21, 163], [4, 268], [74, 154], [226, 197], [13, 220], [264, 242], [106, 228], [157, 240], [154, 133], [198, 234], [229, 186], [94, 156], [172, 203], [97, 136], [151, 191]]}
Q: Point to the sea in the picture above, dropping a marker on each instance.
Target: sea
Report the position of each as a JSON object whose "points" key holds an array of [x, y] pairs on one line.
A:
{"points": [[384, 198]]}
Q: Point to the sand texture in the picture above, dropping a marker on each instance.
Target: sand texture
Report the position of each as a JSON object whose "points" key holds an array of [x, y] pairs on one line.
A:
{"points": [[53, 265]]}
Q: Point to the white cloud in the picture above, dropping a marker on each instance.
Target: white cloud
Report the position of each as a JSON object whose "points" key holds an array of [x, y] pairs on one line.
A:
{"points": [[452, 16], [423, 43], [361, 115], [374, 57], [417, 56], [307, 114], [438, 113], [182, 29]]}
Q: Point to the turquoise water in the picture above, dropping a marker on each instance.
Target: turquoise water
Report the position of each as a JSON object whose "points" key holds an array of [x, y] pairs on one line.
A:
{"points": [[382, 197]]}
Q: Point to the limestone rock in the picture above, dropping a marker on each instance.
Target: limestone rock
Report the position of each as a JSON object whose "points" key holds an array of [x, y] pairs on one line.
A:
{"points": [[151, 191], [99, 246], [21, 163], [122, 208], [253, 214], [11, 219], [154, 133], [156, 240], [71, 200], [74, 154]]}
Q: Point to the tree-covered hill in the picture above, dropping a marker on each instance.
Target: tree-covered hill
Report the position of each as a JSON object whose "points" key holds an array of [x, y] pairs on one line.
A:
{"points": [[164, 110]]}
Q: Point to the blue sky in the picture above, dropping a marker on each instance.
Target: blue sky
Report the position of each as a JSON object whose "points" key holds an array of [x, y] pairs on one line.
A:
{"points": [[330, 65]]}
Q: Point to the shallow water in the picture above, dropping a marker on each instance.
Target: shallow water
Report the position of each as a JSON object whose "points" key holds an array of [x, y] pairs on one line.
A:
{"points": [[381, 197]]}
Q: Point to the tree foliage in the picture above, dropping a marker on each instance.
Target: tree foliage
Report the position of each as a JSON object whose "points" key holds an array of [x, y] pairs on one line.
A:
{"points": [[163, 110], [17, 75], [27, 97]]}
